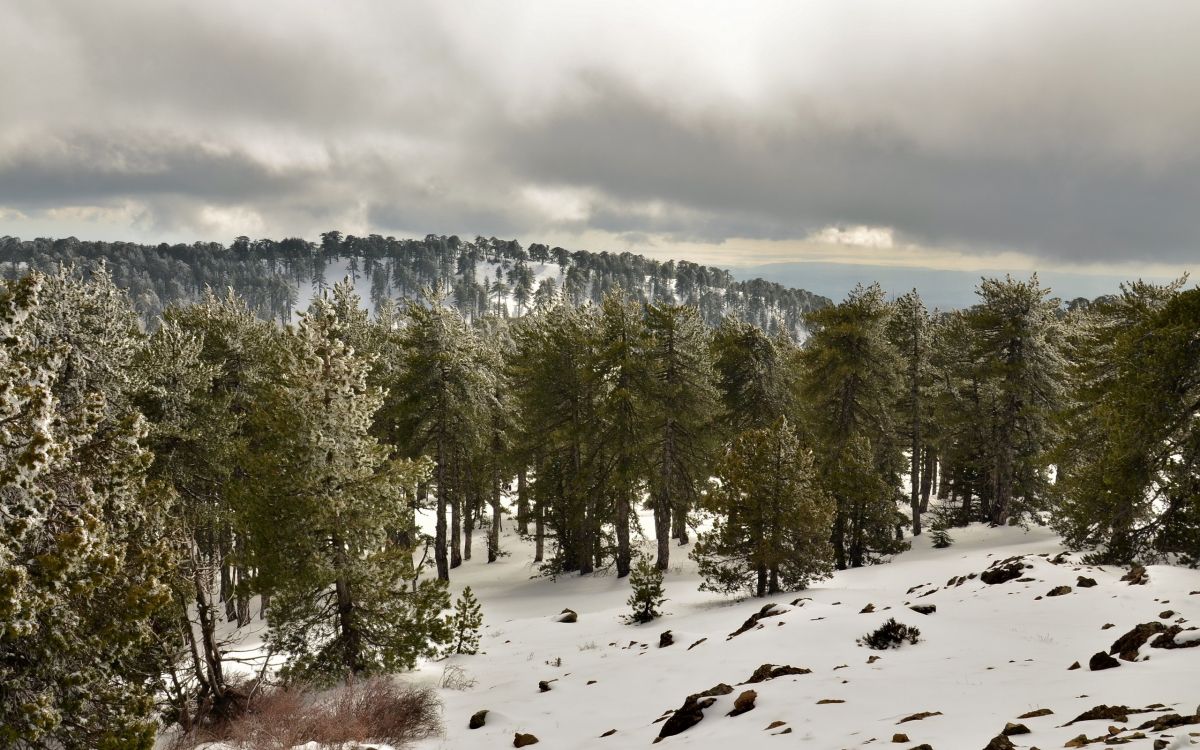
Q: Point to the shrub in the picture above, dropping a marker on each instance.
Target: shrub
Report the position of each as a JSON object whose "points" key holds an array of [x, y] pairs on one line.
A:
{"points": [[376, 710], [891, 634], [466, 623]]}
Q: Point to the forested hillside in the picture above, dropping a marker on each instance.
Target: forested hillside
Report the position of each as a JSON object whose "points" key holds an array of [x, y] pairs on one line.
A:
{"points": [[483, 275], [330, 477]]}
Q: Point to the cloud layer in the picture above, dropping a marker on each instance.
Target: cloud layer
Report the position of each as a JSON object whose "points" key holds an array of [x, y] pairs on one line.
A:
{"points": [[1065, 133]]}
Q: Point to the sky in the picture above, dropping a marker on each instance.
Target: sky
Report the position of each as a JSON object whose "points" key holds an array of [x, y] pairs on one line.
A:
{"points": [[875, 136]]}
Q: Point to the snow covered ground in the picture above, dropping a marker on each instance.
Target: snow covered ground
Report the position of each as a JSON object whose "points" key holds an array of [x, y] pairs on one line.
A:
{"points": [[989, 654]]}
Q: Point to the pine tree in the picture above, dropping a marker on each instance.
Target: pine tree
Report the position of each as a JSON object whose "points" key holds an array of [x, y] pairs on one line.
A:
{"points": [[1018, 333], [1130, 463], [772, 518], [850, 385], [648, 594], [344, 595], [909, 331], [682, 404], [83, 553], [466, 623], [440, 407]]}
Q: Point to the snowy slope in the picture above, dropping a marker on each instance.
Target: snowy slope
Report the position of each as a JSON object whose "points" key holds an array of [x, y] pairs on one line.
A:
{"points": [[988, 654]]}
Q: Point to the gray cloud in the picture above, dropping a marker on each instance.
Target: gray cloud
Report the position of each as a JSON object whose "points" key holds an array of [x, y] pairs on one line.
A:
{"points": [[1070, 132]]}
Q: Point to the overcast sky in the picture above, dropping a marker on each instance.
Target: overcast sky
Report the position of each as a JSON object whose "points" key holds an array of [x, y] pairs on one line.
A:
{"points": [[952, 135]]}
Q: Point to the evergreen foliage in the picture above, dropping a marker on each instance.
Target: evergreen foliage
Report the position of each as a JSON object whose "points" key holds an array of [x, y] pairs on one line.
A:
{"points": [[771, 517], [83, 555], [466, 623], [648, 594], [891, 634]]}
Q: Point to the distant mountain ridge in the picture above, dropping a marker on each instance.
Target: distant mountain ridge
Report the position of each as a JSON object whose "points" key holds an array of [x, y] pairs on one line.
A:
{"points": [[482, 276]]}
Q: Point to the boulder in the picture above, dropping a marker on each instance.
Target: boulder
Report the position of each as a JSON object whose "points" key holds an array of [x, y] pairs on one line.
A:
{"points": [[1084, 582], [1000, 742], [520, 739], [1059, 591], [1002, 572], [1101, 661], [665, 639], [899, 737], [478, 719], [744, 703], [771, 671], [923, 609], [768, 610], [1012, 730], [567, 616], [1128, 644]]}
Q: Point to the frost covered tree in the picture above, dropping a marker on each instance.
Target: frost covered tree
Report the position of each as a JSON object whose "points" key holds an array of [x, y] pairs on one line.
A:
{"points": [[772, 517], [850, 384], [466, 623], [682, 406], [82, 551], [344, 596], [203, 373]]}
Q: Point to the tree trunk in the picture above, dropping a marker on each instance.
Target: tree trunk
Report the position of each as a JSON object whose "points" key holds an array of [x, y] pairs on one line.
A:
{"points": [[539, 532], [439, 544], [679, 523], [761, 588], [456, 498], [839, 538], [928, 475], [494, 532], [522, 504], [624, 555]]}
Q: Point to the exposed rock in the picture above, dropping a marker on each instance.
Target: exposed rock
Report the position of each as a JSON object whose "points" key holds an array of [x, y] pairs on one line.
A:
{"points": [[697, 643], [768, 610], [744, 703], [1101, 660], [771, 671], [1170, 721], [609, 733], [775, 725], [923, 609], [1059, 591], [665, 639], [1003, 571], [1000, 742], [1074, 665], [1107, 625], [1127, 645], [567, 616], [827, 701], [873, 659], [1012, 730], [923, 746], [900, 737], [1084, 582], [522, 740], [1104, 711], [1167, 614], [1035, 713], [867, 609], [1137, 576], [478, 719], [919, 716], [1166, 639]]}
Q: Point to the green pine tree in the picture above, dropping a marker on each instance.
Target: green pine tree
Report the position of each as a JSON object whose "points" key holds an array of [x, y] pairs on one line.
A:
{"points": [[466, 623], [648, 595], [772, 517]]}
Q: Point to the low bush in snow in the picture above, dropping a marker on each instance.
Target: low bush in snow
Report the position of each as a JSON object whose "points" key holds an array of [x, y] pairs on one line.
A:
{"points": [[377, 710], [891, 634]]}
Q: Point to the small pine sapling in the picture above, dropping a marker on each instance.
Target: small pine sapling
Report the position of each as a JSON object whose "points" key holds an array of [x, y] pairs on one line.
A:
{"points": [[647, 597], [940, 538], [466, 623]]}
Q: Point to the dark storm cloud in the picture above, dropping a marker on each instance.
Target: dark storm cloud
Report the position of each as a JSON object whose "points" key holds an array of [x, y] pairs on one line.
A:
{"points": [[1069, 131], [1074, 204]]}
